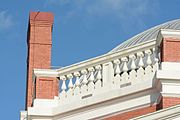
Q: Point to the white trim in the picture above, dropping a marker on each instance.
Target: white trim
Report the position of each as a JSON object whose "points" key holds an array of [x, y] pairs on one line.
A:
{"points": [[167, 33], [170, 113], [170, 79], [170, 95], [169, 71], [168, 74], [99, 105], [23, 115], [45, 73]]}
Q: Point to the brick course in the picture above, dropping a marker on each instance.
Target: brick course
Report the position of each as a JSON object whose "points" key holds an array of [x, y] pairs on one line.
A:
{"points": [[170, 101], [133, 113]]}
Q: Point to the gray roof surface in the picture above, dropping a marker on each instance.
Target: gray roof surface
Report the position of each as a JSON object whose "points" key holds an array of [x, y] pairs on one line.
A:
{"points": [[148, 35]]}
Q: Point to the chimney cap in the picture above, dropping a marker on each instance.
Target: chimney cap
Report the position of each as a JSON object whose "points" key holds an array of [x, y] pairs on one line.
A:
{"points": [[41, 16]]}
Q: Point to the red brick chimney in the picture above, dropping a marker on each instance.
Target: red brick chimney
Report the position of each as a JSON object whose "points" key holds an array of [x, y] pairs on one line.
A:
{"points": [[39, 42]]}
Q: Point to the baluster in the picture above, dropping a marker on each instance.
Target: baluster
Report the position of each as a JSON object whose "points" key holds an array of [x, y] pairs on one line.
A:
{"points": [[132, 74], [117, 71], [125, 60], [124, 75], [140, 55], [154, 55], [149, 61], [91, 79], [84, 81], [77, 83], [133, 65], [148, 69], [140, 71], [155, 60], [70, 85], [98, 83], [156, 65], [63, 87]]}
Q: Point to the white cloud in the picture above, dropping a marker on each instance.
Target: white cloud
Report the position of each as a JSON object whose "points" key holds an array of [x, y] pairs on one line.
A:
{"points": [[5, 20], [101, 7], [122, 8], [128, 12]]}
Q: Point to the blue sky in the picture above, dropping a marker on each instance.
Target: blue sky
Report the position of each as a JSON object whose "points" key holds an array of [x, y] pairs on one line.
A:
{"points": [[82, 29]]}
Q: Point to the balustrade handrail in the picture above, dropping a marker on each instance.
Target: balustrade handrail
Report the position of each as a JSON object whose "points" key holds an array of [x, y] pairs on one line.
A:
{"points": [[95, 61]]}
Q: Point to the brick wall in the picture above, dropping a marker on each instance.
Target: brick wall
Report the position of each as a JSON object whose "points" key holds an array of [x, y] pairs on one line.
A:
{"points": [[46, 87], [170, 50]]}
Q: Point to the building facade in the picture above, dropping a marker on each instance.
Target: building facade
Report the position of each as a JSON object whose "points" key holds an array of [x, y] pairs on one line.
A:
{"points": [[138, 80]]}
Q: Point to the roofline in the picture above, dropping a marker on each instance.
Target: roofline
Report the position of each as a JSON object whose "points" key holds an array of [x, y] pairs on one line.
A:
{"points": [[94, 61]]}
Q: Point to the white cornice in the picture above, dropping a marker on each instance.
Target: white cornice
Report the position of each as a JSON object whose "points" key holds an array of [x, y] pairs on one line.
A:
{"points": [[167, 33], [45, 73]]}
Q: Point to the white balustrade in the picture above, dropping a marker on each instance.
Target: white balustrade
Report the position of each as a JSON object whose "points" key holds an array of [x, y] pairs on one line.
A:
{"points": [[135, 68], [127, 70], [81, 82]]}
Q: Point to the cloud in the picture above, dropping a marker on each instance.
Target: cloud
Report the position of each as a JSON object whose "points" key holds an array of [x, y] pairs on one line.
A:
{"points": [[101, 7], [123, 9], [5, 20], [128, 12]]}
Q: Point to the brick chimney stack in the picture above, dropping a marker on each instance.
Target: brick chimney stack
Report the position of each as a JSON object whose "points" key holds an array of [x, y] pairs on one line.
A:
{"points": [[39, 42]]}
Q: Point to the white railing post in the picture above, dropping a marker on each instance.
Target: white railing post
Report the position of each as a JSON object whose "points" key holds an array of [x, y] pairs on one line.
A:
{"points": [[108, 74]]}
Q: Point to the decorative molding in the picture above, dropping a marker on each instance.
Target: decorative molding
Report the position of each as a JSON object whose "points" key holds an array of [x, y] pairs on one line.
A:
{"points": [[167, 33], [171, 113]]}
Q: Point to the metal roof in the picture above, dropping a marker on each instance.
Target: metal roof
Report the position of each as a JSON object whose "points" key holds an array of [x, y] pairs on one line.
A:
{"points": [[148, 35]]}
